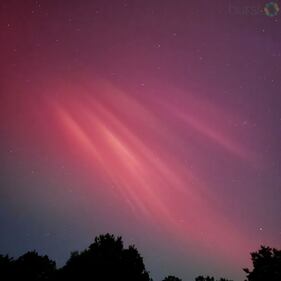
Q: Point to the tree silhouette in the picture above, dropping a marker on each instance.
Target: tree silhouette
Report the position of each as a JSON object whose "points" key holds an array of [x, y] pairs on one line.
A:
{"points": [[266, 265], [6, 267], [104, 260], [172, 278], [34, 267]]}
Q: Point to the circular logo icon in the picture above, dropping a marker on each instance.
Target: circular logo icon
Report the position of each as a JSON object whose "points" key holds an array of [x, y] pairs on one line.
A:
{"points": [[271, 9]]}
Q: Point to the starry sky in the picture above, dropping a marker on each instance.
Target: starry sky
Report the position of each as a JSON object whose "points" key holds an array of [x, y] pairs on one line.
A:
{"points": [[156, 120]]}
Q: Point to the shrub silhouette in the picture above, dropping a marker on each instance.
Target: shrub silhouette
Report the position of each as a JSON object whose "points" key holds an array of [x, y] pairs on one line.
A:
{"points": [[266, 265]]}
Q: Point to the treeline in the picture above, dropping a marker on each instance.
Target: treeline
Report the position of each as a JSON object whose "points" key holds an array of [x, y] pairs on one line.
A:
{"points": [[106, 260]]}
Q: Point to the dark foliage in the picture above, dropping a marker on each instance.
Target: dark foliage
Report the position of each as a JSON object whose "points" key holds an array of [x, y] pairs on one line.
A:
{"points": [[29, 266], [32, 267], [266, 265], [6, 267], [106, 259]]}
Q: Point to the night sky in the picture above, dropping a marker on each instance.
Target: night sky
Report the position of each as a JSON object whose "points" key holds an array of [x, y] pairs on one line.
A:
{"points": [[156, 120]]}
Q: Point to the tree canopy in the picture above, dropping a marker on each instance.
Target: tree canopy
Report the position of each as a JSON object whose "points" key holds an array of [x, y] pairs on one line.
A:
{"points": [[29, 266], [107, 259], [266, 265]]}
